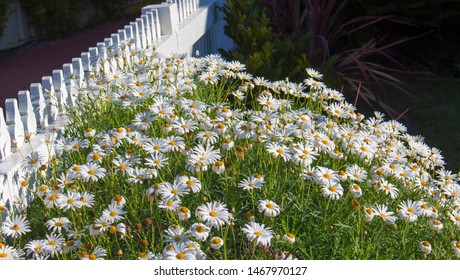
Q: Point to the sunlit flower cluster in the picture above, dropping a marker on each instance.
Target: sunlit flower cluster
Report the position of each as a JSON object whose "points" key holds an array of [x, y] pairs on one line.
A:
{"points": [[198, 158]]}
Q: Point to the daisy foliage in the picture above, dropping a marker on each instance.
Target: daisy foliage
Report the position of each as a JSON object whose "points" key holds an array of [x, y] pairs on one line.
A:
{"points": [[163, 158]]}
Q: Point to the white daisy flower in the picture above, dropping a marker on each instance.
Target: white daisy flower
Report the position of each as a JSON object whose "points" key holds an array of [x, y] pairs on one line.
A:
{"points": [[258, 233], [381, 210], [410, 210], [15, 226], [279, 150], [334, 191], [214, 214], [113, 213], [425, 246], [200, 231], [58, 224], [92, 171], [268, 208], [250, 183], [32, 162], [178, 251], [216, 243], [98, 254]]}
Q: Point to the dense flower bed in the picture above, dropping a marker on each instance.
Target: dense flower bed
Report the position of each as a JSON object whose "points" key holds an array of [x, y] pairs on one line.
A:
{"points": [[178, 157]]}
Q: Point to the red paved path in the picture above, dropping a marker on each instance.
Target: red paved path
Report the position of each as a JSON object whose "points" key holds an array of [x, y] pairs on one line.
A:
{"points": [[20, 68]]}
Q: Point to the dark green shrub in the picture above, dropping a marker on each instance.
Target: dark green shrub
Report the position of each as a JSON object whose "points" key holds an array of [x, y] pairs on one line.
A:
{"points": [[4, 4]]}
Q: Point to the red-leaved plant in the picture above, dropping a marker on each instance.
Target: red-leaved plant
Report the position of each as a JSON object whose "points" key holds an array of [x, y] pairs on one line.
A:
{"points": [[347, 47]]}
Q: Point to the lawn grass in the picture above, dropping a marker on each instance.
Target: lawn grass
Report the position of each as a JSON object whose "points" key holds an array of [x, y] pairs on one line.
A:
{"points": [[435, 116]]}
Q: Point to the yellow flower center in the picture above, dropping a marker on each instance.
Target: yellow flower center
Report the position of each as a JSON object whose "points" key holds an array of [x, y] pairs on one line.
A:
{"points": [[92, 257], [213, 214], [410, 210], [200, 229], [383, 215], [59, 223], [269, 206], [15, 227], [257, 233], [175, 191], [332, 189], [3, 255], [91, 172], [113, 214], [327, 176], [280, 151], [180, 256], [426, 244]]}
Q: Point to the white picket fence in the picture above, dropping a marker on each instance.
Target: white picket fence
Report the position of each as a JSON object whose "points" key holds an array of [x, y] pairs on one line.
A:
{"points": [[37, 116]]}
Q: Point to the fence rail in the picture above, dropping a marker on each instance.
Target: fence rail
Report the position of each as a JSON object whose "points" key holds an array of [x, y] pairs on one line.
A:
{"points": [[33, 119]]}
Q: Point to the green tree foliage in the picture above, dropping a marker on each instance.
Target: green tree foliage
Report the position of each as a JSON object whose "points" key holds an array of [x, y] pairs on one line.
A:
{"points": [[4, 4]]}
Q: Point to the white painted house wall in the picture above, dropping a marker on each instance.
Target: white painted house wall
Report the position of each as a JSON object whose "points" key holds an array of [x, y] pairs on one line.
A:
{"points": [[183, 26]]}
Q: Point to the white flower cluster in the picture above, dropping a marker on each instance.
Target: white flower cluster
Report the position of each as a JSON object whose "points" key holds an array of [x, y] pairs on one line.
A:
{"points": [[172, 139]]}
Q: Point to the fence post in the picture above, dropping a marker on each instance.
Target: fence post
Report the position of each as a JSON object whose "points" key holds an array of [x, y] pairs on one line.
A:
{"points": [[138, 42], [168, 16], [141, 30], [69, 81], [156, 22], [14, 123], [102, 57], [60, 89], [5, 138], [94, 60], [147, 30], [50, 98], [86, 66], [39, 104], [26, 111], [77, 64]]}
